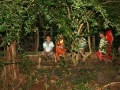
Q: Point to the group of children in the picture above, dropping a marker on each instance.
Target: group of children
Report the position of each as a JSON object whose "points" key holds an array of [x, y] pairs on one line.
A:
{"points": [[105, 46], [48, 46]]}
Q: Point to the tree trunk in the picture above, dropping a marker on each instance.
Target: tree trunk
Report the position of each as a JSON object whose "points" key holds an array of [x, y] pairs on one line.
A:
{"points": [[93, 42], [37, 40], [73, 55], [51, 31], [11, 69], [89, 41]]}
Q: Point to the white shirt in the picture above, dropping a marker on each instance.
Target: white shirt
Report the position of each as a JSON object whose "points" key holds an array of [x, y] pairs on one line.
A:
{"points": [[48, 47]]}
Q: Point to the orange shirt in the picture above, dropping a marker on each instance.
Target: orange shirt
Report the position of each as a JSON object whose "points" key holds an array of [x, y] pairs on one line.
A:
{"points": [[60, 47]]}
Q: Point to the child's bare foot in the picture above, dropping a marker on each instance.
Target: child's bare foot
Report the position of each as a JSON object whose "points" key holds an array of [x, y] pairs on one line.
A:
{"points": [[36, 81], [108, 61], [38, 66], [55, 61]]}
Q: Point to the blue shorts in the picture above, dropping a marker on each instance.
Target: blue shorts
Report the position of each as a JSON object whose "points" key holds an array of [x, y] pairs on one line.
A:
{"points": [[51, 53]]}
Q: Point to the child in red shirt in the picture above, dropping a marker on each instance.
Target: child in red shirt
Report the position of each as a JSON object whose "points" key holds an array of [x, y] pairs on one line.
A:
{"points": [[109, 38]]}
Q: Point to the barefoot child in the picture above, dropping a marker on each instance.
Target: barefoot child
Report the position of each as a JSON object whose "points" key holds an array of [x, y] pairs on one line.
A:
{"points": [[48, 48]]}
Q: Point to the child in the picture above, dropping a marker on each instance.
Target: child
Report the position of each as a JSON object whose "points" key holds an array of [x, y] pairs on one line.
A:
{"points": [[48, 48], [60, 50], [109, 38], [103, 47], [83, 44]]}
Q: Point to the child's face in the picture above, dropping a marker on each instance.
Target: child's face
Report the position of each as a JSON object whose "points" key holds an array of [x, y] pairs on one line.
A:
{"points": [[48, 39], [61, 36], [101, 35]]}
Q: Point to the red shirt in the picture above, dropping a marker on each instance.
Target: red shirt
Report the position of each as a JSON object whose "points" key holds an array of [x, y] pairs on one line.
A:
{"points": [[109, 35]]}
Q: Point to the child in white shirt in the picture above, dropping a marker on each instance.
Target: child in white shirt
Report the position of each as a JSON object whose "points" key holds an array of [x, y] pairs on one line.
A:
{"points": [[48, 46]]}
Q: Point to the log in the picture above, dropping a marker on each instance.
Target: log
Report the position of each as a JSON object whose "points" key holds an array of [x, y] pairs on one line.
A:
{"points": [[111, 86]]}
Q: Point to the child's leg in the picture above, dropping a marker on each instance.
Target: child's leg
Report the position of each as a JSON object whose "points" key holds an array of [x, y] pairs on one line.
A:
{"points": [[54, 55], [39, 59], [57, 56], [100, 55], [64, 52]]}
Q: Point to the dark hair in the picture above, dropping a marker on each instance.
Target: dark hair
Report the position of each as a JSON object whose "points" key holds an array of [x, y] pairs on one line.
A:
{"points": [[102, 32], [47, 36]]}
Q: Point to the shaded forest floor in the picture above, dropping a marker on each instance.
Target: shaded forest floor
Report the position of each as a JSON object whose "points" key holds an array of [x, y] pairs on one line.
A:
{"points": [[89, 75]]}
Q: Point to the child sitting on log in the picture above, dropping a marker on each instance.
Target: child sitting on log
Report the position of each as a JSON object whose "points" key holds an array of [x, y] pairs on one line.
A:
{"points": [[60, 50], [83, 44], [48, 46]]}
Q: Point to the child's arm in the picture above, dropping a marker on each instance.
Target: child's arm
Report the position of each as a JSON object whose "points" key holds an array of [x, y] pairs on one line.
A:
{"points": [[56, 46], [112, 38], [44, 52], [50, 51]]}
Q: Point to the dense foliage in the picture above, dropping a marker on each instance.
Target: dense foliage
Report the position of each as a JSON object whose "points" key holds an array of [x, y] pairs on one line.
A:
{"points": [[20, 16], [16, 17]]}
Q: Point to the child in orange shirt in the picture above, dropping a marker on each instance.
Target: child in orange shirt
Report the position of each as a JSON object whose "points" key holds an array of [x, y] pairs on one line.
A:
{"points": [[60, 50]]}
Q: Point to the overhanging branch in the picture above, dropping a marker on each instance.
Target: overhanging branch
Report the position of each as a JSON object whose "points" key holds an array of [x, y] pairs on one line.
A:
{"points": [[3, 1], [111, 2]]}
